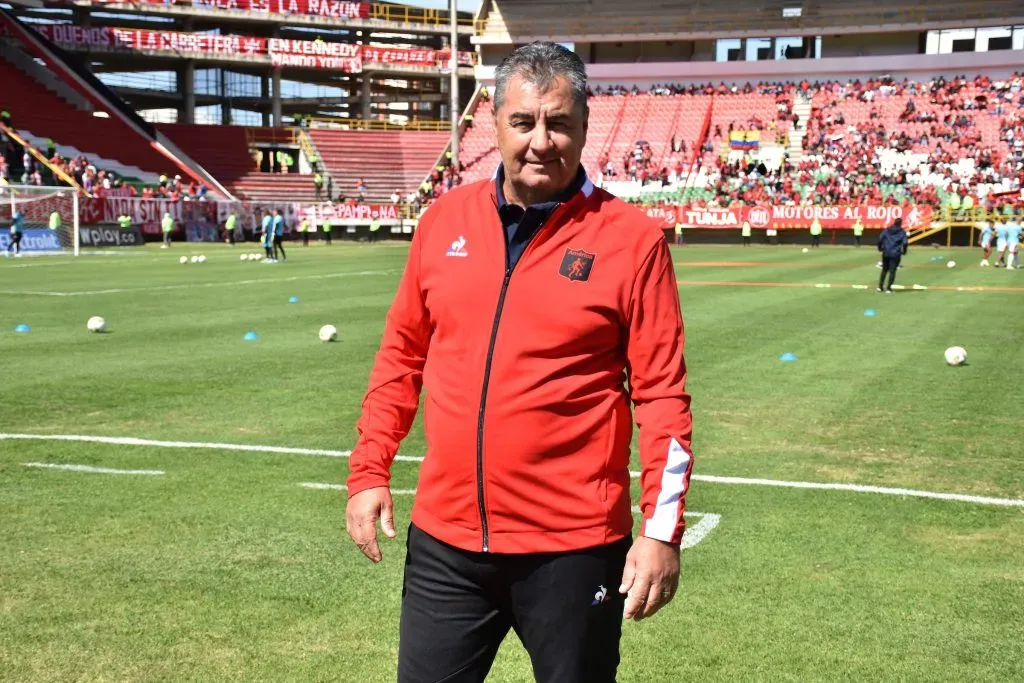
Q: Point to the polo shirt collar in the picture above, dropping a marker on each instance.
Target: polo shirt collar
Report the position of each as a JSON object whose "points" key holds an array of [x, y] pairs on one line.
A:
{"points": [[580, 182]]}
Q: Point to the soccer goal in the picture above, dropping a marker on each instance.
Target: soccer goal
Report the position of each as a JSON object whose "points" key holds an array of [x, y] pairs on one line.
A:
{"points": [[49, 217]]}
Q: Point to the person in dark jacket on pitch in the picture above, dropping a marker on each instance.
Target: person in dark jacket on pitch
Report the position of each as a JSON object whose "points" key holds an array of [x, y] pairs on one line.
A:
{"points": [[892, 242]]}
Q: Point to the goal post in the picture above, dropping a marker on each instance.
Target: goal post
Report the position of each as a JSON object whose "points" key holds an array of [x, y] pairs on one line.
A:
{"points": [[49, 217]]}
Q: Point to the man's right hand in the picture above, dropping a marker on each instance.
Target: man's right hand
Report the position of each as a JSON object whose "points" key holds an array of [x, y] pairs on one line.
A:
{"points": [[361, 515]]}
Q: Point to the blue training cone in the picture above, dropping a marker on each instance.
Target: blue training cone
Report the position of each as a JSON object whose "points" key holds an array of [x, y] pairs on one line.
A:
{"points": [[250, 336], [870, 313], [787, 357], [22, 327], [293, 300]]}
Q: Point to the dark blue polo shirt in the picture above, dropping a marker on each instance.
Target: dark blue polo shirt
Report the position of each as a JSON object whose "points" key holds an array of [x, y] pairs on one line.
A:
{"points": [[520, 224]]}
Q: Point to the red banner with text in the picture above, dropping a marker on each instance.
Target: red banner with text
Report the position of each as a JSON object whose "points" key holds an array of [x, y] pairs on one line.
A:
{"points": [[137, 40], [395, 55], [351, 213], [334, 9], [309, 54], [315, 54], [791, 217]]}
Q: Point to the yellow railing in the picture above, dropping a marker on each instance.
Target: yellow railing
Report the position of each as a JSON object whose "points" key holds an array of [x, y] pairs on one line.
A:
{"points": [[400, 14], [374, 124], [974, 215], [271, 136]]}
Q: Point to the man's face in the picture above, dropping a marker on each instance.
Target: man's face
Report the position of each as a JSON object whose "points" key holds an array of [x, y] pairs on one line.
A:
{"points": [[541, 134]]}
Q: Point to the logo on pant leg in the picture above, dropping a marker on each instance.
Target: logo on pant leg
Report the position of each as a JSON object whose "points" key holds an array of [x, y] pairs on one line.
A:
{"points": [[601, 596]]}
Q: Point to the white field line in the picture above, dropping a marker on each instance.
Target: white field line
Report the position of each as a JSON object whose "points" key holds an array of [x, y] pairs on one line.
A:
{"points": [[341, 487], [712, 479], [87, 468], [863, 488], [691, 537], [195, 285], [132, 441], [699, 531]]}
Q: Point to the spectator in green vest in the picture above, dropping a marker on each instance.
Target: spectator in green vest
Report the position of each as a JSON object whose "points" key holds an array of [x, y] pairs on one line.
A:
{"points": [[304, 229], [55, 221], [953, 204], [679, 235], [745, 232], [166, 226], [858, 231], [374, 229], [229, 228], [318, 185], [327, 233], [815, 233]]}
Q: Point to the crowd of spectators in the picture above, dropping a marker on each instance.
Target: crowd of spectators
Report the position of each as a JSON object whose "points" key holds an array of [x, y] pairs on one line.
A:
{"points": [[19, 166], [923, 142]]}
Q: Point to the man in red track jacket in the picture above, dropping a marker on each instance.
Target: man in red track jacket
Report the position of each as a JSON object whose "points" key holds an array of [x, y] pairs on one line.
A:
{"points": [[527, 304]]}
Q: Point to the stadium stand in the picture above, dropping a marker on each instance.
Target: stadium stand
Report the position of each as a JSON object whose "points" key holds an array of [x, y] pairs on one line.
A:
{"points": [[42, 113], [385, 160], [228, 153]]}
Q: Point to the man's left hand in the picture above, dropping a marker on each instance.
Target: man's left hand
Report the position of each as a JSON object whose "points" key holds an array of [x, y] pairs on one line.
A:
{"points": [[650, 578]]}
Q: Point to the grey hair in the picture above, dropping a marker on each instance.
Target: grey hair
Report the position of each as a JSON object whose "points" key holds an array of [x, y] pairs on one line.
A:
{"points": [[540, 63]]}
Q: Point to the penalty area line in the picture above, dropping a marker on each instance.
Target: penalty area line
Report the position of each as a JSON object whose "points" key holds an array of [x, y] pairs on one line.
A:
{"points": [[708, 478]]}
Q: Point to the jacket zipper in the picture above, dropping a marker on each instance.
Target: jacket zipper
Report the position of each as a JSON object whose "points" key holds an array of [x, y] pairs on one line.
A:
{"points": [[487, 375]]}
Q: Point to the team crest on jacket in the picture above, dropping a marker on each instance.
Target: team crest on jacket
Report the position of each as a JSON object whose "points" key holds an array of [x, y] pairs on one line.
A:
{"points": [[576, 265]]}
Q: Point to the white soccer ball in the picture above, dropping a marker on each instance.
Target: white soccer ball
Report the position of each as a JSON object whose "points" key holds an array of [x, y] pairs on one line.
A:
{"points": [[956, 355], [202, 258], [255, 257], [328, 333], [805, 250], [195, 259], [951, 264], [96, 324], [243, 257], [183, 259]]}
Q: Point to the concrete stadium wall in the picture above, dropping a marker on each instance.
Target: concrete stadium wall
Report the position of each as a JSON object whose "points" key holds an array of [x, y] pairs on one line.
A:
{"points": [[996, 64], [906, 43]]}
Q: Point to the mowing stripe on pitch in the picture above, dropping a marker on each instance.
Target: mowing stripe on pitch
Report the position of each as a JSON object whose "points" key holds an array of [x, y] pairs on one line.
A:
{"points": [[199, 285], [693, 535], [819, 285], [87, 468], [709, 478]]}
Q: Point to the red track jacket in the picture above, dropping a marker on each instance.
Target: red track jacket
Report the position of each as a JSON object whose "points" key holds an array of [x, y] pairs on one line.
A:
{"points": [[527, 412]]}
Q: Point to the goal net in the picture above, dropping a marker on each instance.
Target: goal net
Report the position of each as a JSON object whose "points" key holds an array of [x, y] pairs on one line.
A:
{"points": [[49, 218]]}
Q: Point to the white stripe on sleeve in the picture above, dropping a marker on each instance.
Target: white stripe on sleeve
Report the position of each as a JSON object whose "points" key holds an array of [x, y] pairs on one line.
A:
{"points": [[663, 523]]}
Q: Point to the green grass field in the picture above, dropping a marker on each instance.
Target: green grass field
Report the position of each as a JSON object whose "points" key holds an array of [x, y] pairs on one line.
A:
{"points": [[225, 568]]}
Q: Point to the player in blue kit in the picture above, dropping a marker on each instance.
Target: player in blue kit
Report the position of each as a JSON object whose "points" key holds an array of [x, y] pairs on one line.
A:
{"points": [[1001, 244], [267, 238], [987, 233], [17, 228], [1013, 233], [279, 235]]}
